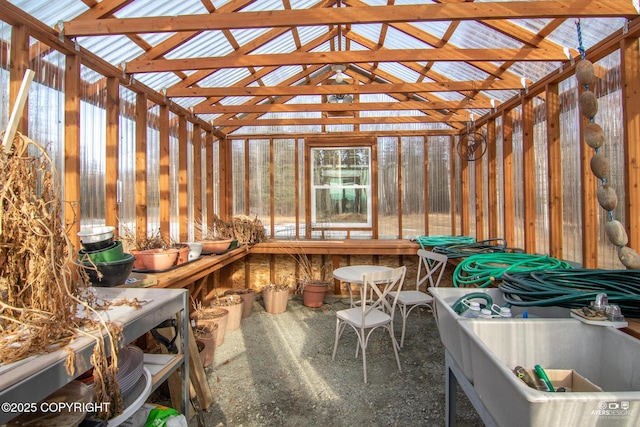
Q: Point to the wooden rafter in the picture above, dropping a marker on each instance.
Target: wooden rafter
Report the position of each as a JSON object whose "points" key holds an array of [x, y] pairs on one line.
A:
{"points": [[341, 89], [359, 106], [350, 15], [389, 55]]}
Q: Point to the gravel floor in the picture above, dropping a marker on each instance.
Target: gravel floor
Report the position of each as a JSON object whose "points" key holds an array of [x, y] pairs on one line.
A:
{"points": [[276, 370]]}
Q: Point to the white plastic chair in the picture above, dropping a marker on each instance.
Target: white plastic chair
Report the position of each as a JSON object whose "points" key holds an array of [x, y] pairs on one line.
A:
{"points": [[371, 315], [431, 265]]}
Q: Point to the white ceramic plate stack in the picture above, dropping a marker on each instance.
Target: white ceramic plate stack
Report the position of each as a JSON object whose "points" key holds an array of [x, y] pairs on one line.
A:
{"points": [[130, 368]]}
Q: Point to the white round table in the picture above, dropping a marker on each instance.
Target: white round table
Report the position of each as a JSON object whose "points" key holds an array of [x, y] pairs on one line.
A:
{"points": [[353, 274]]}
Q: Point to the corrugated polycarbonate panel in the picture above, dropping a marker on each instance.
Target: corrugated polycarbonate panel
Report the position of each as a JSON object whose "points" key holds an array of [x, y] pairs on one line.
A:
{"points": [[339, 128], [439, 185], [475, 35], [235, 100], [264, 5], [284, 43], [281, 74], [5, 109], [153, 169], [92, 156], [608, 91], [534, 70], [437, 28], [224, 77], [399, 71], [284, 188], [51, 12], [571, 178], [541, 172], [239, 204], [459, 71], [46, 107], [205, 44], [518, 180], [127, 160], [388, 186], [259, 181], [308, 34], [245, 36], [143, 8], [158, 81], [413, 202], [113, 49]]}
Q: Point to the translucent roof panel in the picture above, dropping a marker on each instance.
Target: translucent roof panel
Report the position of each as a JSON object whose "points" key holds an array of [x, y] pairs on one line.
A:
{"points": [[399, 71], [224, 77], [143, 8], [459, 71], [281, 74], [281, 44], [395, 39], [158, 81], [113, 49], [51, 12], [205, 44], [474, 35]]}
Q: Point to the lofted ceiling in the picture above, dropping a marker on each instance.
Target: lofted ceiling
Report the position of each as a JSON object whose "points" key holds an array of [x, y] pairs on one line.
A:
{"points": [[267, 66]]}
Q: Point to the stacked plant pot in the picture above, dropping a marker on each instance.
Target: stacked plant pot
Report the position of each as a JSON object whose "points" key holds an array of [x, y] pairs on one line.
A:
{"points": [[103, 258]]}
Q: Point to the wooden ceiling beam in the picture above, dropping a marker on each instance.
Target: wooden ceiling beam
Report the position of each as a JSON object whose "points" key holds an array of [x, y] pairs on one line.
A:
{"points": [[448, 54], [352, 15], [337, 121], [356, 106], [341, 89]]}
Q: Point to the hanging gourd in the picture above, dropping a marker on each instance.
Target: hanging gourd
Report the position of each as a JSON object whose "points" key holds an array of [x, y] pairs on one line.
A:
{"points": [[600, 165]]}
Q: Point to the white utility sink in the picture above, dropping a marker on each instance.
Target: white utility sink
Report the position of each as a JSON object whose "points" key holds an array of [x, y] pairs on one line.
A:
{"points": [[450, 333], [603, 355]]}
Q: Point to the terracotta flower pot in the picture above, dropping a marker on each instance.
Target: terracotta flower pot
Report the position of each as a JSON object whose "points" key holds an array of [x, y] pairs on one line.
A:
{"points": [[313, 294], [207, 334], [213, 315], [138, 264], [275, 301], [158, 259], [233, 304], [248, 297], [183, 254]]}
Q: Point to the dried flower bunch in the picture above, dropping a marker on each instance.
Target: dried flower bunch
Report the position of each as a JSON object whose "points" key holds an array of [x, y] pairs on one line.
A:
{"points": [[40, 282], [244, 229], [141, 241]]}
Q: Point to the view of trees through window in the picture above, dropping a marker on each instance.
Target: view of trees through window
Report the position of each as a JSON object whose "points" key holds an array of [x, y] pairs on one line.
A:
{"points": [[341, 187]]}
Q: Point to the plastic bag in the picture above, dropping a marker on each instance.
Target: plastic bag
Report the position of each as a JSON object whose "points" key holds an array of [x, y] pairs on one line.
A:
{"points": [[161, 416]]}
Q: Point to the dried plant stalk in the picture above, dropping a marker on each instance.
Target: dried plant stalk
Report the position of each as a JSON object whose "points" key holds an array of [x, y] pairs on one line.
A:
{"points": [[39, 278], [244, 229]]}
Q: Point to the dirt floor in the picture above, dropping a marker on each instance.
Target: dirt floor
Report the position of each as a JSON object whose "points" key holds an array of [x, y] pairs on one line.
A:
{"points": [[276, 370]]}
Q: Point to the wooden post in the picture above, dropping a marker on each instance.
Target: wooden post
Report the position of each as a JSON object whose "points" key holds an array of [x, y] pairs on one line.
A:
{"points": [[589, 203], [492, 179], [452, 178], [425, 183], [478, 167], [210, 211], [18, 66], [183, 178], [165, 171], [141, 164], [197, 175], [72, 147], [112, 163]]}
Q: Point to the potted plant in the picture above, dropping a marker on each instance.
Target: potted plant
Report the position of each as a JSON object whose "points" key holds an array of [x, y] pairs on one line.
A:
{"points": [[313, 281], [275, 297], [212, 316]]}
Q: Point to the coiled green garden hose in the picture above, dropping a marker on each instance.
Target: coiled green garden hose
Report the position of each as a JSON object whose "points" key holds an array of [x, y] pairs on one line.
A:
{"points": [[483, 269], [432, 241], [573, 288], [462, 250]]}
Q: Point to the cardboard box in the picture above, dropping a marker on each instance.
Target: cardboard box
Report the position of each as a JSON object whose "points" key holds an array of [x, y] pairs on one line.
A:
{"points": [[567, 378]]}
